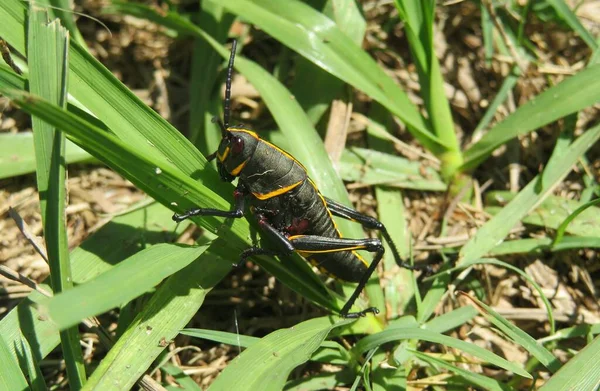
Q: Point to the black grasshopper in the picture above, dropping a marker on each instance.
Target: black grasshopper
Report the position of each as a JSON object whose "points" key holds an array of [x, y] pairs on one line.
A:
{"points": [[289, 208]]}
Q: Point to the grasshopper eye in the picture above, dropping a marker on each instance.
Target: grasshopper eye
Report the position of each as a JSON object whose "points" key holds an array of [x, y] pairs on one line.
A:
{"points": [[237, 145]]}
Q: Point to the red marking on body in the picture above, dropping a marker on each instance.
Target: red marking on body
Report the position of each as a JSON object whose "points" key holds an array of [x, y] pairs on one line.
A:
{"points": [[298, 226]]}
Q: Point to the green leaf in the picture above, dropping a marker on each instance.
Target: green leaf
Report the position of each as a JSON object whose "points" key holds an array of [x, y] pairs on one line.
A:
{"points": [[98, 91], [142, 271], [581, 330], [17, 156], [418, 18], [97, 254], [451, 320], [496, 229], [471, 376], [581, 373], [369, 167], [520, 337], [401, 333], [574, 217], [267, 364], [169, 309], [232, 339], [563, 10], [47, 48], [563, 226], [543, 244], [157, 178], [11, 377], [318, 39], [571, 95]]}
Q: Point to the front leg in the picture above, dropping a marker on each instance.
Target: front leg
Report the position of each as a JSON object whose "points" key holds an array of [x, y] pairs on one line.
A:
{"points": [[239, 195]]}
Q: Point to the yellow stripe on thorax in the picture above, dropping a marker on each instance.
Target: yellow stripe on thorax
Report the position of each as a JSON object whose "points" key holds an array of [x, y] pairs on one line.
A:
{"points": [[236, 171]]}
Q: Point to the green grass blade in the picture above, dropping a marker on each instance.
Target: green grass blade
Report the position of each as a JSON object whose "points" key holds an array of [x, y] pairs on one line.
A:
{"points": [[96, 88], [535, 285], [472, 377], [48, 45], [582, 330], [431, 300], [203, 77], [496, 229], [401, 333], [390, 208], [142, 271], [582, 219], [348, 17], [169, 309], [330, 352], [520, 337], [164, 183], [34, 372], [232, 339], [487, 29], [320, 381], [560, 232], [97, 254], [267, 364], [17, 155], [318, 39], [501, 96], [9, 78], [418, 25], [539, 245], [313, 87], [451, 320], [185, 382], [581, 373], [61, 9], [571, 95], [11, 377], [563, 10], [370, 167], [307, 76], [13, 21]]}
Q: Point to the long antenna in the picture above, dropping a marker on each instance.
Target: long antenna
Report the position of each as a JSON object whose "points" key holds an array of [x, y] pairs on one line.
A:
{"points": [[227, 103]]}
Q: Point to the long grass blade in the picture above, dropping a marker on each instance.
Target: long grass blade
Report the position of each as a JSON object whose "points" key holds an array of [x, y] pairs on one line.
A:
{"points": [[581, 373], [267, 364], [401, 333], [99, 253], [571, 95], [48, 45], [516, 334], [535, 192], [169, 309], [11, 376], [142, 272], [17, 156], [317, 38]]}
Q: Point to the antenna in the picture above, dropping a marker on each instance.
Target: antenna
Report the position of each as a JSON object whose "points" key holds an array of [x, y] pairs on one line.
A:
{"points": [[227, 103]]}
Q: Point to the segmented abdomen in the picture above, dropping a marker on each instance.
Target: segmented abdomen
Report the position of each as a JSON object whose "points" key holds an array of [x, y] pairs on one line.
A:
{"points": [[344, 265]]}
